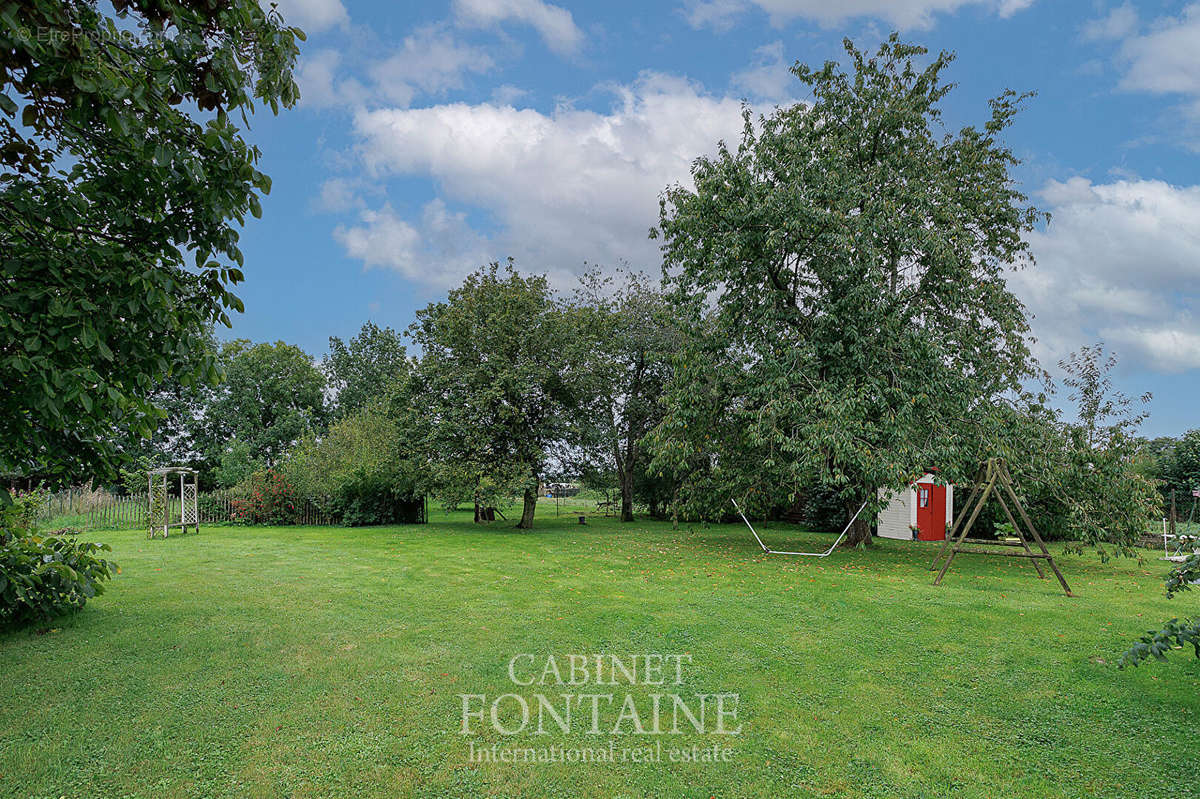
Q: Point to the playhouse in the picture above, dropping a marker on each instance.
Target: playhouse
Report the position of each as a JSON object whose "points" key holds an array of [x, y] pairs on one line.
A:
{"points": [[922, 512]]}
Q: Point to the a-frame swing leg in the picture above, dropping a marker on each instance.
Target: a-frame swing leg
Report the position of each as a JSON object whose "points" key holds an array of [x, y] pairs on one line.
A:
{"points": [[1020, 535], [987, 490], [1033, 530], [958, 520], [954, 531]]}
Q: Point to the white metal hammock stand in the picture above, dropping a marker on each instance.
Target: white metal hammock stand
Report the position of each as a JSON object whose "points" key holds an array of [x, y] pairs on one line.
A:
{"points": [[1182, 540], [824, 554]]}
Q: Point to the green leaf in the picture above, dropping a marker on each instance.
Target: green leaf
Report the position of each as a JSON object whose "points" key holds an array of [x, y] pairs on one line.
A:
{"points": [[83, 83]]}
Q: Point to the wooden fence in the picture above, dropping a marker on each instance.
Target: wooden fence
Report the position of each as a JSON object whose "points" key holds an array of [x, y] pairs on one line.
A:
{"points": [[95, 510], [101, 510]]}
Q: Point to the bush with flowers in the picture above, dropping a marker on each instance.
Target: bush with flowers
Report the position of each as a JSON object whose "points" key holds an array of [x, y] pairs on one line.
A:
{"points": [[266, 497]]}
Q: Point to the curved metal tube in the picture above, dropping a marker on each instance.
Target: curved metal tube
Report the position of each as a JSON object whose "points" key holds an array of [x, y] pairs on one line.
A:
{"points": [[824, 554]]}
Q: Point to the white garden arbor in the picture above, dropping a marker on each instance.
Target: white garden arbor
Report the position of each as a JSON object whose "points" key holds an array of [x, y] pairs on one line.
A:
{"points": [[159, 511]]}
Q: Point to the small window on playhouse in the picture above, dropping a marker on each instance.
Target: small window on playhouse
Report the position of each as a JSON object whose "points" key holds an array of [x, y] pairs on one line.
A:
{"points": [[923, 498]]}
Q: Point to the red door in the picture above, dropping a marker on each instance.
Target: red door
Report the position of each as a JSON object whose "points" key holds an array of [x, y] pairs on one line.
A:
{"points": [[931, 512]]}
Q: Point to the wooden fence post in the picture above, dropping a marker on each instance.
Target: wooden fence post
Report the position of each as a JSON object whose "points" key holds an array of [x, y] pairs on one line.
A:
{"points": [[1172, 517]]}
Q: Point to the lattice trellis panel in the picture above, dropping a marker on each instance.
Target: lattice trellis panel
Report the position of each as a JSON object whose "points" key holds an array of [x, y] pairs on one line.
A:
{"points": [[189, 504], [156, 516]]}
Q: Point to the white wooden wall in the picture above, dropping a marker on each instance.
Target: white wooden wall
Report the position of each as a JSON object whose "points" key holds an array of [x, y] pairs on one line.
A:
{"points": [[900, 516], [901, 511]]}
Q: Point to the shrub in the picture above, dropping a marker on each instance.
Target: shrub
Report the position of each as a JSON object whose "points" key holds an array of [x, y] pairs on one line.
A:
{"points": [[45, 576], [21, 515], [267, 498], [236, 466], [365, 441], [376, 497], [359, 465]]}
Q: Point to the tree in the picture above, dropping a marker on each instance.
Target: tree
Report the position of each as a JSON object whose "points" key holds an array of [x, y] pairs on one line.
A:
{"points": [[123, 173], [236, 466], [365, 368], [176, 435], [624, 364], [1080, 473], [1172, 463], [492, 394], [272, 396], [1107, 500], [1182, 468], [1154, 461], [850, 262], [1105, 415]]}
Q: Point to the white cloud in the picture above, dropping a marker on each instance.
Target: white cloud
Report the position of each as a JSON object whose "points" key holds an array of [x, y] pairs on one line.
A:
{"points": [[1119, 262], [1161, 57], [337, 194], [768, 77], [439, 249], [716, 14], [1167, 57], [555, 25], [555, 189], [1169, 348], [507, 94], [1116, 24], [430, 60], [384, 239], [340, 194], [317, 79], [1006, 8], [902, 13], [313, 16]]}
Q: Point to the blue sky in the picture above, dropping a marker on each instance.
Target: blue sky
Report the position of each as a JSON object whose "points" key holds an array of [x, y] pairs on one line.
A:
{"points": [[434, 137]]}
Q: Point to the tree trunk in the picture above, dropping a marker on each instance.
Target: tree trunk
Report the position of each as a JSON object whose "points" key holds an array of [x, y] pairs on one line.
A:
{"points": [[859, 533], [627, 495], [625, 466], [526, 522]]}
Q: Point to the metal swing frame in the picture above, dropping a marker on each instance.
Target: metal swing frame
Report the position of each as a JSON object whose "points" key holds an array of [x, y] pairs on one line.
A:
{"points": [[824, 554]]}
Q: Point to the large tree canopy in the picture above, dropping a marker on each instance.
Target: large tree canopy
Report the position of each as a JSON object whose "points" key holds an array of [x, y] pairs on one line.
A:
{"points": [[272, 397], [850, 258], [123, 171], [176, 436], [365, 368], [631, 334], [492, 394], [1175, 462]]}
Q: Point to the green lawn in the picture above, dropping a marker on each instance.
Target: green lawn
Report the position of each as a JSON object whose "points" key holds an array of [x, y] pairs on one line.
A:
{"points": [[328, 662]]}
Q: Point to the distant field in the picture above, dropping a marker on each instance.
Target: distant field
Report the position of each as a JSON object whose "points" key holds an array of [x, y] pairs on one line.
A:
{"points": [[589, 503], [266, 662]]}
